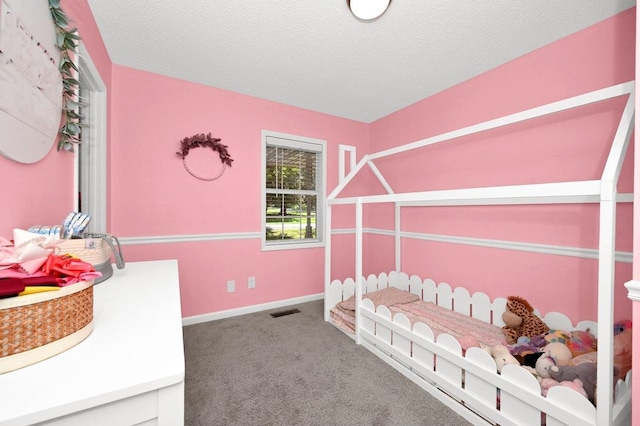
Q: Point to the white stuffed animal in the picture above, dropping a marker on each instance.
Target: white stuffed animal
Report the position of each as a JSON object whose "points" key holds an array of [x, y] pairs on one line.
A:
{"points": [[501, 356]]}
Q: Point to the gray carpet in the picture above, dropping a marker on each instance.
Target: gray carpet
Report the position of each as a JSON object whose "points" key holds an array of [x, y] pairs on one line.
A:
{"points": [[296, 370]]}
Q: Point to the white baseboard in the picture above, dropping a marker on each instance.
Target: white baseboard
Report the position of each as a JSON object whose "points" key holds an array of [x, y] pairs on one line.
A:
{"points": [[196, 319]]}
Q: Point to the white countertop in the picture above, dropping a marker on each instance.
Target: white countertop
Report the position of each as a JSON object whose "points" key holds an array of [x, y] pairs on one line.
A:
{"points": [[136, 346]]}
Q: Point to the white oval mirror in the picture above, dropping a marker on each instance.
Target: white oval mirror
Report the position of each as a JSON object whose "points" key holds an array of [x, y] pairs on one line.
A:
{"points": [[30, 82]]}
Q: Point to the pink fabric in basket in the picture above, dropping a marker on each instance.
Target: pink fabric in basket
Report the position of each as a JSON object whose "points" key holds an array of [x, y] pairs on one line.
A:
{"points": [[466, 330]]}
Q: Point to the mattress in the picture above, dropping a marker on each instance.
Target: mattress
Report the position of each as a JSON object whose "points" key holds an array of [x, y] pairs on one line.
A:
{"points": [[467, 331], [343, 314]]}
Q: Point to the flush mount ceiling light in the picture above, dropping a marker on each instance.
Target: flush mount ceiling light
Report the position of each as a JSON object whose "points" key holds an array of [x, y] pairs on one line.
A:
{"points": [[368, 9]]}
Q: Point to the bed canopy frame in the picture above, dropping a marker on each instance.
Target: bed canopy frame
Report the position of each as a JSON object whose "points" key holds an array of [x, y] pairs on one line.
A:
{"points": [[602, 191]]}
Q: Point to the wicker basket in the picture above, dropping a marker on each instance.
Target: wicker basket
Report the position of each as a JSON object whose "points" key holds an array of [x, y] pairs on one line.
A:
{"points": [[38, 326]]}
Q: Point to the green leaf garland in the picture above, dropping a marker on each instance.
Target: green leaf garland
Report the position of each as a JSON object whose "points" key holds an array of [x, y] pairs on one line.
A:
{"points": [[67, 43]]}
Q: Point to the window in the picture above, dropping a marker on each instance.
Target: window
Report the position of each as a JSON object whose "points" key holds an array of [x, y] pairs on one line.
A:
{"points": [[293, 182]]}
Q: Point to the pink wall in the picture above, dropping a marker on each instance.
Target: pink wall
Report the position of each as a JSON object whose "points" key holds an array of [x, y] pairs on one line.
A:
{"points": [[153, 195], [568, 146], [39, 193]]}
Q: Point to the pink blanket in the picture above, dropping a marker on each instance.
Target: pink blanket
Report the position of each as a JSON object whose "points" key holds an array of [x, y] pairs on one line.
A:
{"points": [[466, 330], [343, 314]]}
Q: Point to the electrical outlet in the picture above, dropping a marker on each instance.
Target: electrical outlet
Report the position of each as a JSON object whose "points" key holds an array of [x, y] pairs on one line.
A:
{"points": [[251, 282], [231, 286]]}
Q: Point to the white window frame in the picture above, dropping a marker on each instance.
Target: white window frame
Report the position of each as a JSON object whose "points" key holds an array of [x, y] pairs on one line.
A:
{"points": [[302, 143]]}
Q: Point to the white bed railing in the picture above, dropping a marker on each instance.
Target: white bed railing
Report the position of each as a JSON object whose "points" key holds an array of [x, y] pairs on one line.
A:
{"points": [[477, 305], [468, 380]]}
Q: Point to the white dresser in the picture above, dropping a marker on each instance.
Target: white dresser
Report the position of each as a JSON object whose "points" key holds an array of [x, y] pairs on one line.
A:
{"points": [[129, 371]]}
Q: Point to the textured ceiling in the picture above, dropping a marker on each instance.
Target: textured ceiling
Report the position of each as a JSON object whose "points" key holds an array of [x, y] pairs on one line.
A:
{"points": [[314, 54]]}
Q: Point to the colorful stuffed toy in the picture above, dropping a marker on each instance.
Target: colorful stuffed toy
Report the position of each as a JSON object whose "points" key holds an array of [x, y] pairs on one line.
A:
{"points": [[578, 341], [527, 345], [557, 336], [582, 342], [620, 326], [520, 320]]}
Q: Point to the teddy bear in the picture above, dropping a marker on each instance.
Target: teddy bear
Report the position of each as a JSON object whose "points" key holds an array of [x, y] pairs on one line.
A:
{"points": [[520, 320], [587, 373]]}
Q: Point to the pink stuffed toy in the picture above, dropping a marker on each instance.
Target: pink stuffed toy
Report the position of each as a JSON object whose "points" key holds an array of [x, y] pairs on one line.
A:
{"points": [[575, 384]]}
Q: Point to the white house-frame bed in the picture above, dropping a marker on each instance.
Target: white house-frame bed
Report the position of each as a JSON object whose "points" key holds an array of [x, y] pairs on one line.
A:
{"points": [[468, 382]]}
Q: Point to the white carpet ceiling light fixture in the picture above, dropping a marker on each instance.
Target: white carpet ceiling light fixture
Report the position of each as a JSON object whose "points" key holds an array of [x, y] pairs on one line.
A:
{"points": [[368, 9]]}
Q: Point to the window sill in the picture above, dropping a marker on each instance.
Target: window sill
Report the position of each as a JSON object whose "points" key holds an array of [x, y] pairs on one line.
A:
{"points": [[291, 246]]}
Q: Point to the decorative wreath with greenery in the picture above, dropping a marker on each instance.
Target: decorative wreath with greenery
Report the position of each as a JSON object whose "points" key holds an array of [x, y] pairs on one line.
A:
{"points": [[202, 140], [67, 42]]}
